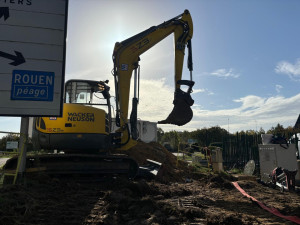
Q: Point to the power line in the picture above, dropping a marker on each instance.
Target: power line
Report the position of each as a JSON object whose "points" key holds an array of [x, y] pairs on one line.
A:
{"points": [[8, 132]]}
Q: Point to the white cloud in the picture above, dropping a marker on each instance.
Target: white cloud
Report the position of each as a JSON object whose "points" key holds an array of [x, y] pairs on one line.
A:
{"points": [[9, 124], [292, 70], [253, 112], [203, 90], [223, 73], [278, 88], [88, 74], [250, 102], [156, 99], [199, 91]]}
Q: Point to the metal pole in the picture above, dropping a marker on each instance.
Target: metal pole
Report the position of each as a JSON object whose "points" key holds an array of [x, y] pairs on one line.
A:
{"points": [[23, 145], [135, 83], [8, 132], [133, 115]]}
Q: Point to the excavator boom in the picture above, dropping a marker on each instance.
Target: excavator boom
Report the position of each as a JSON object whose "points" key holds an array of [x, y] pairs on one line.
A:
{"points": [[126, 57]]}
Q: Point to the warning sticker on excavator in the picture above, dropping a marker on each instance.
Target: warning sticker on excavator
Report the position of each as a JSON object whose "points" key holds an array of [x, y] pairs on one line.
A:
{"points": [[124, 67]]}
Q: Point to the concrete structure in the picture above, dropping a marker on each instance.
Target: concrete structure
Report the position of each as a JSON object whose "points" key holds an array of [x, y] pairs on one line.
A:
{"points": [[147, 131], [217, 160], [274, 155]]}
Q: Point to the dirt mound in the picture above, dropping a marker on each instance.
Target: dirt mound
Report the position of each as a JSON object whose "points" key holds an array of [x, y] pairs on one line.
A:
{"points": [[248, 185], [226, 220], [171, 169], [210, 199], [117, 200], [221, 180]]}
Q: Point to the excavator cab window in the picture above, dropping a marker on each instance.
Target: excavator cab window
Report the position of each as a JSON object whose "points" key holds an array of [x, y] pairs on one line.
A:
{"points": [[86, 92]]}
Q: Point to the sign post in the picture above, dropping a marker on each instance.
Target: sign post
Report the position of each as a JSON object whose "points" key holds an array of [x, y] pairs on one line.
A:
{"points": [[32, 61], [22, 147]]}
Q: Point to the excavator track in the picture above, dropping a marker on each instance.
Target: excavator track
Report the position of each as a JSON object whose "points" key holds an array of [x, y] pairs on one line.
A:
{"points": [[76, 164]]}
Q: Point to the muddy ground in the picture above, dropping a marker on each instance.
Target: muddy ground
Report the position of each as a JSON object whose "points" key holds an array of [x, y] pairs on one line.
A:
{"points": [[180, 194]]}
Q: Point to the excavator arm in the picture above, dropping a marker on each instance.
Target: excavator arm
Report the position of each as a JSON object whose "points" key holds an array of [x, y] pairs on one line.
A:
{"points": [[126, 60]]}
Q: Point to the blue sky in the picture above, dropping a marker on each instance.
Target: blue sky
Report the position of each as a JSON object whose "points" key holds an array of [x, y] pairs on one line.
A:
{"points": [[246, 58]]}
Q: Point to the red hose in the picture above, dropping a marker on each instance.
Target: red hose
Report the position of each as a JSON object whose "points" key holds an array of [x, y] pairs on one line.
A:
{"points": [[274, 211]]}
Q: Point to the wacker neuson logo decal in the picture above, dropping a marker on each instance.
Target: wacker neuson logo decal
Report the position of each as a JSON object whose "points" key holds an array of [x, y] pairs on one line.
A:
{"points": [[87, 117]]}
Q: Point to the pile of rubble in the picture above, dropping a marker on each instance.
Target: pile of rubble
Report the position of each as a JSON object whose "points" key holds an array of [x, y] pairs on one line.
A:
{"points": [[172, 169]]}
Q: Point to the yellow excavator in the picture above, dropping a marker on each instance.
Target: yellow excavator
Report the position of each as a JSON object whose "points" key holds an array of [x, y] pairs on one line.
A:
{"points": [[84, 130]]}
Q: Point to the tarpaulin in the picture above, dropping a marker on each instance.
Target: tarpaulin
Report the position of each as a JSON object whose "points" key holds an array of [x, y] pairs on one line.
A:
{"points": [[274, 211]]}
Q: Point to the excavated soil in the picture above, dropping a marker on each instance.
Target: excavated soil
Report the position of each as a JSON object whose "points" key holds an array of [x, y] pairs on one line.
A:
{"points": [[178, 195]]}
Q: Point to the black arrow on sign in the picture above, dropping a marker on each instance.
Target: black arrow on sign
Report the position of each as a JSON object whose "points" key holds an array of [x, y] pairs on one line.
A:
{"points": [[4, 11], [18, 58]]}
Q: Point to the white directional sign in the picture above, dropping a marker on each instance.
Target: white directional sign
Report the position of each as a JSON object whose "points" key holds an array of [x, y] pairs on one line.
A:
{"points": [[32, 57], [12, 145]]}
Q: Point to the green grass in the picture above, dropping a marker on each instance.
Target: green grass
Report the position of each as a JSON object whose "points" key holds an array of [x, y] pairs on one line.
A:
{"points": [[8, 154], [236, 171], [199, 154], [186, 157], [201, 169]]}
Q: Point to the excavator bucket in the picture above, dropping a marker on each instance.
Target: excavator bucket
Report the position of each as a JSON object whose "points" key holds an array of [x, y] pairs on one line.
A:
{"points": [[182, 112]]}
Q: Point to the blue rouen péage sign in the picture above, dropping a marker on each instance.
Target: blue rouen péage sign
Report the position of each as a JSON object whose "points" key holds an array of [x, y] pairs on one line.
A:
{"points": [[32, 85]]}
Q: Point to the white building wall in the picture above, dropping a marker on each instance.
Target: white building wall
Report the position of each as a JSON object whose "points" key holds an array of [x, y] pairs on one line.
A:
{"points": [[147, 131]]}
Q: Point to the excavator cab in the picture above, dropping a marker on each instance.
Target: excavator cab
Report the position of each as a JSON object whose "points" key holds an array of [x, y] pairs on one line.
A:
{"points": [[86, 122], [87, 92]]}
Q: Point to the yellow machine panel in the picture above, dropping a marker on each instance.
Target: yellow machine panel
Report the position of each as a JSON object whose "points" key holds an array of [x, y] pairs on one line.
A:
{"points": [[76, 119], [81, 129]]}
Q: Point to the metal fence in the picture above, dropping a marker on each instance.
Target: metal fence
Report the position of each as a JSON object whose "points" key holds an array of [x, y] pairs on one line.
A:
{"points": [[238, 149]]}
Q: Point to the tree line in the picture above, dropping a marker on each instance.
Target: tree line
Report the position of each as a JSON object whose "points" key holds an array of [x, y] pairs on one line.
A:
{"points": [[208, 136], [237, 148], [13, 137], [204, 137]]}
